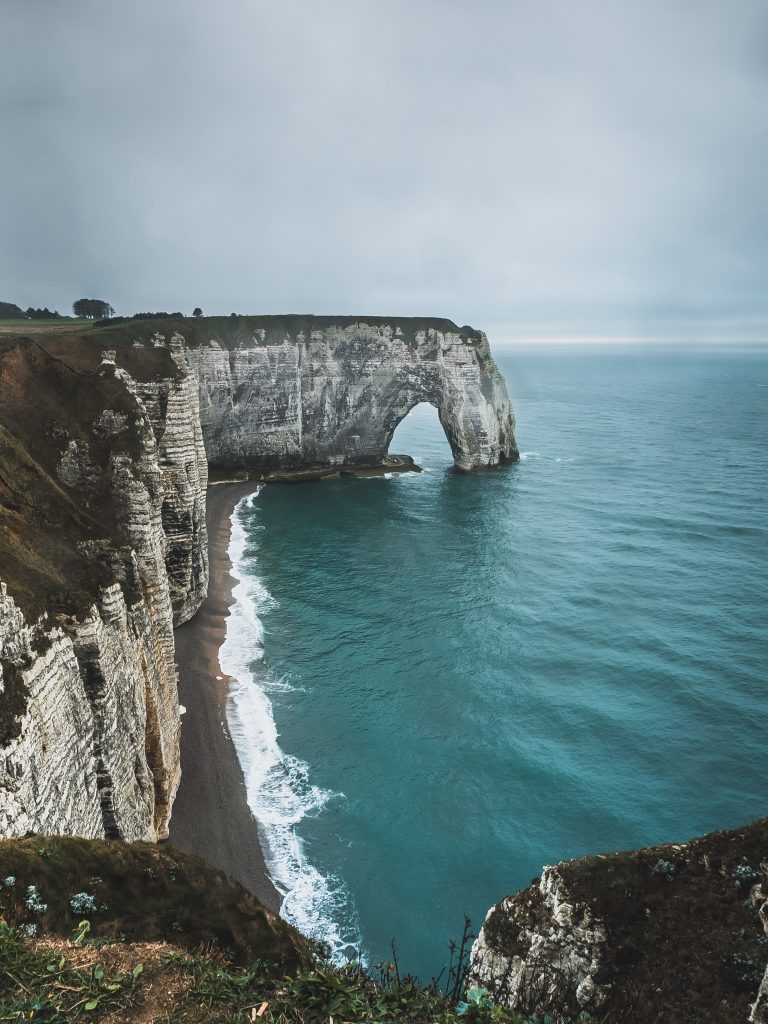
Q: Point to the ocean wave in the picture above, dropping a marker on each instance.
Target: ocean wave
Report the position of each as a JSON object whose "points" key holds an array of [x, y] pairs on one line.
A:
{"points": [[279, 789]]}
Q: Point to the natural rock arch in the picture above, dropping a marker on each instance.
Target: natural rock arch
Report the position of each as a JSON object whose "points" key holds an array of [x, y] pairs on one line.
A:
{"points": [[471, 424], [423, 415], [322, 392]]}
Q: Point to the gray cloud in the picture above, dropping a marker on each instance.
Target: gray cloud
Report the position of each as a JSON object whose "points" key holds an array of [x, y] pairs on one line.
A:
{"points": [[536, 167]]}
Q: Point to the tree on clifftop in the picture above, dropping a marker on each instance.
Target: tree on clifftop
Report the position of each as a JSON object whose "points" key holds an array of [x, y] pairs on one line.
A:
{"points": [[197, 311], [92, 309], [10, 311]]}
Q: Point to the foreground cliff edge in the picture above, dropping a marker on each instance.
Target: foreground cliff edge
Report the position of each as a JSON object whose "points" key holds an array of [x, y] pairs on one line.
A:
{"points": [[667, 933], [98, 929]]}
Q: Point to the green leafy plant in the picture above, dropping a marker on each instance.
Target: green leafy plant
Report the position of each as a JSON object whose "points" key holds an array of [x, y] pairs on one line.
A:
{"points": [[36, 986], [476, 997], [80, 932]]}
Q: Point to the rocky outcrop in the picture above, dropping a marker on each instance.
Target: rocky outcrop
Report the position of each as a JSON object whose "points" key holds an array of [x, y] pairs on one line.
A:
{"points": [[540, 949], [304, 392], [665, 933]]}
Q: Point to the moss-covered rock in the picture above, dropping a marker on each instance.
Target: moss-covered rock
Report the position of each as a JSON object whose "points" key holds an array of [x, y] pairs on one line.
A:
{"points": [[141, 892]]}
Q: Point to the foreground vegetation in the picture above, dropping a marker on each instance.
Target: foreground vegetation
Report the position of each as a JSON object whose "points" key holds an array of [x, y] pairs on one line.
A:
{"points": [[57, 981], [99, 930]]}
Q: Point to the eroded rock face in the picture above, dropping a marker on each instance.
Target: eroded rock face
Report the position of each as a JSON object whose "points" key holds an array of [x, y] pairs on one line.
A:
{"points": [[540, 949], [87, 673], [323, 392], [666, 933], [47, 778], [171, 404]]}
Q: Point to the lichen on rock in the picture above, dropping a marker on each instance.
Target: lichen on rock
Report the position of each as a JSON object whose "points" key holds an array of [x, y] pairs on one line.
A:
{"points": [[674, 932]]}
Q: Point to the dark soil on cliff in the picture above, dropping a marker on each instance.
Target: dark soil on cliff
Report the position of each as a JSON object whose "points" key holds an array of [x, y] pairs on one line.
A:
{"points": [[46, 406], [685, 944], [140, 892]]}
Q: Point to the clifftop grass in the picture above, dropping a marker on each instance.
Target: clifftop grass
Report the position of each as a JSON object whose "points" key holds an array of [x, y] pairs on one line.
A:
{"points": [[141, 892], [229, 331], [105, 931]]}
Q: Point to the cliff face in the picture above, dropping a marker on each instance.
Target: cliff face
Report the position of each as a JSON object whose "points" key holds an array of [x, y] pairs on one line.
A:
{"points": [[103, 539], [304, 392], [666, 933], [105, 439]]}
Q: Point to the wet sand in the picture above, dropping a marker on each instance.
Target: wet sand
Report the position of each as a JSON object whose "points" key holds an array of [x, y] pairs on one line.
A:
{"points": [[211, 816]]}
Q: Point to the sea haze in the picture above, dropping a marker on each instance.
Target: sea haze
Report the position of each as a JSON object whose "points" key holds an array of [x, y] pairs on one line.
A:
{"points": [[461, 678]]}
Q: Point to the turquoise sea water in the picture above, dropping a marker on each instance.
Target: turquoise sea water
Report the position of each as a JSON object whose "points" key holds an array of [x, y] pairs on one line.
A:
{"points": [[466, 677]]}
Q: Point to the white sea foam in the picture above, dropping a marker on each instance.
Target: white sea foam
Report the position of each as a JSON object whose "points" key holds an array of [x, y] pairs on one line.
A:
{"points": [[280, 792], [529, 455]]}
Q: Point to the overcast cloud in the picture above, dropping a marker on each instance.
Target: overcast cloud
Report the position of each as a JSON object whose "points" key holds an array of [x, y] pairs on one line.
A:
{"points": [[533, 167]]}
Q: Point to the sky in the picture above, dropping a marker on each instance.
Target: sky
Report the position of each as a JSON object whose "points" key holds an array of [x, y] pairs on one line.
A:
{"points": [[540, 169]]}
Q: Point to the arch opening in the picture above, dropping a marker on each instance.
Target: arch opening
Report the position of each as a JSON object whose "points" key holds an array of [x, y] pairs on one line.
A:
{"points": [[421, 435]]}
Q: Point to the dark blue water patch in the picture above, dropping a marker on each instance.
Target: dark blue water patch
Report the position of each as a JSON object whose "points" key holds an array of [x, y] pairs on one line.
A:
{"points": [[504, 670]]}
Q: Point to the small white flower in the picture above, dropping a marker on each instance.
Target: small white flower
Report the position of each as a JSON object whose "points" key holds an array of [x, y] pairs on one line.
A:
{"points": [[34, 903], [83, 903]]}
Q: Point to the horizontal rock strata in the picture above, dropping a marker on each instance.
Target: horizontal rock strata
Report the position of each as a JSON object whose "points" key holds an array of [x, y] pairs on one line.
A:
{"points": [[103, 540]]}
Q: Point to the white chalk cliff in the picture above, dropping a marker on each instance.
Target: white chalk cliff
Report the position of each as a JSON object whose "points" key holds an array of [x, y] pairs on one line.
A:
{"points": [[105, 442], [320, 392]]}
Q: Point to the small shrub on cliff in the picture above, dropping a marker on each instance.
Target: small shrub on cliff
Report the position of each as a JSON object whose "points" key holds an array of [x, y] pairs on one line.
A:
{"points": [[83, 903], [743, 876], [665, 869], [33, 902]]}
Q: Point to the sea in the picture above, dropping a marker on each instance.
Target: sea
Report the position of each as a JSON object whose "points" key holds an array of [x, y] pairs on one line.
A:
{"points": [[443, 682]]}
